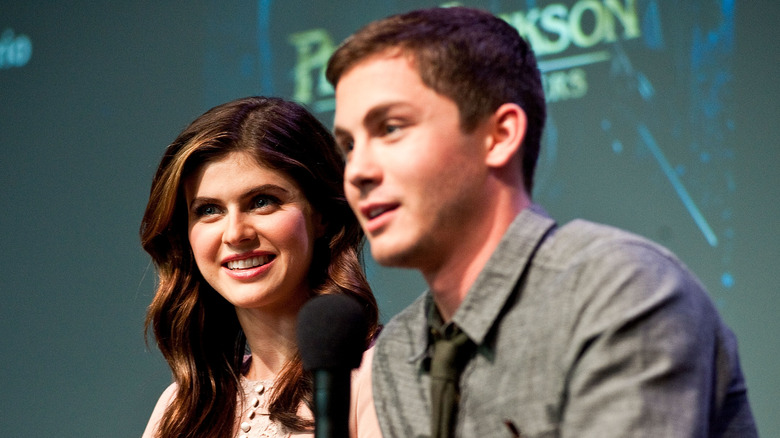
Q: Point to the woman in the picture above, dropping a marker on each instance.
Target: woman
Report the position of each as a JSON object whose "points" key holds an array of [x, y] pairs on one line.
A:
{"points": [[246, 221]]}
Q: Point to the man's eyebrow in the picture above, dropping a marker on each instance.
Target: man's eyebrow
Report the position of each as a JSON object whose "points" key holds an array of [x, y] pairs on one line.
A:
{"points": [[373, 116], [377, 113]]}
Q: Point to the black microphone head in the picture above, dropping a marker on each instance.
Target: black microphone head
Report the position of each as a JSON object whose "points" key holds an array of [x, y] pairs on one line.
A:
{"points": [[331, 333]]}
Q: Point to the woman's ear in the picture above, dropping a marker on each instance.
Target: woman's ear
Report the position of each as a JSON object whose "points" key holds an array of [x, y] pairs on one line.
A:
{"points": [[507, 128]]}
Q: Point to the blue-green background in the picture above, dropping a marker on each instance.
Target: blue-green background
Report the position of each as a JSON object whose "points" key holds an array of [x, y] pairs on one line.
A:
{"points": [[674, 138]]}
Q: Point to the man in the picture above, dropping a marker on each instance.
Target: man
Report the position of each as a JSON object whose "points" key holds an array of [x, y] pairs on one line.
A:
{"points": [[580, 330]]}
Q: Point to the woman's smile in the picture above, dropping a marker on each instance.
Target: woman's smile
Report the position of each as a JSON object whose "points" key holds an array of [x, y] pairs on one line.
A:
{"points": [[251, 230]]}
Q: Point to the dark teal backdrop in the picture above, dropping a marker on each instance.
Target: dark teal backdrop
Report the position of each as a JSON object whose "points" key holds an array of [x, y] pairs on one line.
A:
{"points": [[663, 121]]}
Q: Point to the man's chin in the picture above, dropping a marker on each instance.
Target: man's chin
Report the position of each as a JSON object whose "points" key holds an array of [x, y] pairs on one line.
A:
{"points": [[391, 256]]}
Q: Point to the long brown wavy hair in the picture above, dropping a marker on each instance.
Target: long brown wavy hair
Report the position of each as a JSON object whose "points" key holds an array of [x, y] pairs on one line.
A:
{"points": [[196, 329]]}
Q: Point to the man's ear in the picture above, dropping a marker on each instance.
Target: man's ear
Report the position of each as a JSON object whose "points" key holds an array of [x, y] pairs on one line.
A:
{"points": [[507, 131]]}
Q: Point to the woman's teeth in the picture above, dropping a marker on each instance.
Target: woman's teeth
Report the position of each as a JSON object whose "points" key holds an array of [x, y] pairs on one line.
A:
{"points": [[248, 263]]}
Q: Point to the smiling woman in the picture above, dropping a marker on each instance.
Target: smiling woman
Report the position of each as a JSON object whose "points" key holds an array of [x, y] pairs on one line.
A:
{"points": [[247, 221], [252, 234]]}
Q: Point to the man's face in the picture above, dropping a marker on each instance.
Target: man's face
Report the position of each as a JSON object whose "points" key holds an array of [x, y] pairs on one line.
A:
{"points": [[412, 175]]}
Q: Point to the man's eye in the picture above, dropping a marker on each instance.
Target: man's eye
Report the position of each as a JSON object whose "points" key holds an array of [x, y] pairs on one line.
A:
{"points": [[346, 145], [390, 128], [344, 148]]}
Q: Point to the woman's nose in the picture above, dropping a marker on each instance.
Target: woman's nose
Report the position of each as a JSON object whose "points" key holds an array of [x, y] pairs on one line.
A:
{"points": [[238, 229]]}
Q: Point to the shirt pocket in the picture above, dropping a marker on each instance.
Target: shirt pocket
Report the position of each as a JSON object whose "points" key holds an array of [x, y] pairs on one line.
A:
{"points": [[530, 420]]}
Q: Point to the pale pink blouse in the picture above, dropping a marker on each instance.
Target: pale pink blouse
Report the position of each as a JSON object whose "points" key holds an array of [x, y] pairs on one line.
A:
{"points": [[254, 423]]}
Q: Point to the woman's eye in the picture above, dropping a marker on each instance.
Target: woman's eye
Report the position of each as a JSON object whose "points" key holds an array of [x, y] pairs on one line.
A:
{"points": [[264, 202], [206, 210]]}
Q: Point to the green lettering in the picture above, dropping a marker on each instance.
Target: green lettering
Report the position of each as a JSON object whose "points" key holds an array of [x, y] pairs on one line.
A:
{"points": [[314, 48], [626, 15], [554, 20], [578, 35]]}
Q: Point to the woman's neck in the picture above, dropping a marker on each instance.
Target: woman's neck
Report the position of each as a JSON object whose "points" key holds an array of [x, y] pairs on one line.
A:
{"points": [[271, 340]]}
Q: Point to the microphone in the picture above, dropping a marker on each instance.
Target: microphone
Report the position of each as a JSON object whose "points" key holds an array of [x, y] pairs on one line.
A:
{"points": [[331, 332]]}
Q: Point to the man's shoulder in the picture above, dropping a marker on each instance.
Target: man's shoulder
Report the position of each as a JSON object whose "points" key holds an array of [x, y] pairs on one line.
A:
{"points": [[586, 233], [583, 241], [406, 324], [400, 344], [599, 263]]}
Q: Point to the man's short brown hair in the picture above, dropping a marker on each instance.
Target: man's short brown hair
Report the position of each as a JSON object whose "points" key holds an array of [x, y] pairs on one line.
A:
{"points": [[472, 57]]}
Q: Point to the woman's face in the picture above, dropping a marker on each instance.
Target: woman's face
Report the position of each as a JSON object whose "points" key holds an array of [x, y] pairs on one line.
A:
{"points": [[252, 232]]}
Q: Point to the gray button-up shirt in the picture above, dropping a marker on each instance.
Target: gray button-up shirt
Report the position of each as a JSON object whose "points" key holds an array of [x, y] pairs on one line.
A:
{"points": [[597, 333]]}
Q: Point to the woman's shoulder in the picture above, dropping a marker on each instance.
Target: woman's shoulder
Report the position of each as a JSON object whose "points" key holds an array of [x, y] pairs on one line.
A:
{"points": [[363, 419], [159, 409]]}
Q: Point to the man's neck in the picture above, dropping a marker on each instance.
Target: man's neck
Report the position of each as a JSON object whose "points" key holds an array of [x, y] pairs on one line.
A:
{"points": [[450, 282]]}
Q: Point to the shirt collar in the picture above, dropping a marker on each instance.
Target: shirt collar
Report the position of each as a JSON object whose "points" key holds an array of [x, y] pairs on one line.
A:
{"points": [[426, 316], [487, 296]]}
